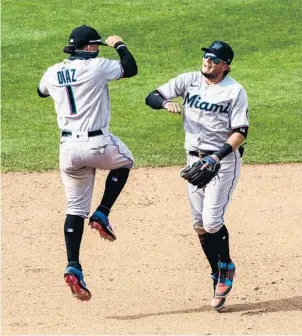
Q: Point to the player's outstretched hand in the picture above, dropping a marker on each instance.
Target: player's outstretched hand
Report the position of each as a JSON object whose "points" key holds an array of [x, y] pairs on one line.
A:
{"points": [[172, 107], [112, 40]]}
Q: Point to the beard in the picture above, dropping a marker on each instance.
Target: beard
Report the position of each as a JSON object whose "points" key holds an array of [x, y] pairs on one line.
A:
{"points": [[207, 75]]}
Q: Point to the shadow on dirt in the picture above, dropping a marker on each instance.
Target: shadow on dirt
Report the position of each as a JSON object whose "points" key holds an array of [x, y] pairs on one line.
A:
{"points": [[289, 304]]}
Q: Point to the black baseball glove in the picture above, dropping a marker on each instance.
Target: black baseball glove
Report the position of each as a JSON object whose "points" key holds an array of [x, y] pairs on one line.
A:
{"points": [[201, 177]]}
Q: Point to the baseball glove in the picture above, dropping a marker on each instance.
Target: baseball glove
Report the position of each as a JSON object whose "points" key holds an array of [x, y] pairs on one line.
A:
{"points": [[201, 177]]}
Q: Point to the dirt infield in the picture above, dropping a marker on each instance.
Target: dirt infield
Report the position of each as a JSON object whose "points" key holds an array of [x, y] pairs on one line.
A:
{"points": [[154, 279]]}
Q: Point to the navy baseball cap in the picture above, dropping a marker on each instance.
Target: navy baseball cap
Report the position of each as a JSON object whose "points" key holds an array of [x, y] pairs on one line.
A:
{"points": [[222, 50], [84, 35]]}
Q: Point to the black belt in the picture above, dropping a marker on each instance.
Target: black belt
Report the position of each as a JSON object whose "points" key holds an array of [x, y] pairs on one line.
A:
{"points": [[90, 133], [201, 153]]}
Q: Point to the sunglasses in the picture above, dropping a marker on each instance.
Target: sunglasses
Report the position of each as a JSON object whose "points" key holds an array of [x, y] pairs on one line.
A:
{"points": [[213, 58]]}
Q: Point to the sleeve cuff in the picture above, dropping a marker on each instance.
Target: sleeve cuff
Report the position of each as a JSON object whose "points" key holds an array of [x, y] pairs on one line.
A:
{"points": [[119, 45]]}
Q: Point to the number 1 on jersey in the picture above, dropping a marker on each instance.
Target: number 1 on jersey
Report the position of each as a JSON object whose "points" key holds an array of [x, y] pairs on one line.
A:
{"points": [[71, 100]]}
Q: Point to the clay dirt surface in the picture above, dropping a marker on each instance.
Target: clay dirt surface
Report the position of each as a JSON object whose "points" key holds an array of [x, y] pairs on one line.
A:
{"points": [[154, 279]]}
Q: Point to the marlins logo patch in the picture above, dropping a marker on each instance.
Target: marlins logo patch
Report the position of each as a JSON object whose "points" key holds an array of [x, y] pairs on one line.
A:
{"points": [[217, 45]]}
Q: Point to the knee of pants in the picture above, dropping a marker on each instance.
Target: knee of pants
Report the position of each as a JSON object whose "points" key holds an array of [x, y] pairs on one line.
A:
{"points": [[199, 229], [207, 226], [212, 226], [79, 208], [130, 165]]}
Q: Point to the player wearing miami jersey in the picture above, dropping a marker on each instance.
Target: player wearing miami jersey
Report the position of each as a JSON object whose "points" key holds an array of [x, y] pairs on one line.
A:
{"points": [[215, 118], [79, 88]]}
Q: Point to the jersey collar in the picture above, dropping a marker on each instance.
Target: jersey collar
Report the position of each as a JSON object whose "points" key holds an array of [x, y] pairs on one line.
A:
{"points": [[82, 54]]}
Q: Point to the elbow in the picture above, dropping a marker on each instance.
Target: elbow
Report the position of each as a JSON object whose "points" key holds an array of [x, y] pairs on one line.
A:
{"points": [[154, 100], [241, 132], [148, 98], [135, 70], [130, 72]]}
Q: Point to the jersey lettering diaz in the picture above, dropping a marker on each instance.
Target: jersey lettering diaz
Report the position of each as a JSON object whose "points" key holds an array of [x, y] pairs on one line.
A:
{"points": [[85, 85], [210, 112]]}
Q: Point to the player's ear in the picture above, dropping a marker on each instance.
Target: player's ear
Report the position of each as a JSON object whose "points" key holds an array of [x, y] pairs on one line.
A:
{"points": [[92, 47], [225, 67]]}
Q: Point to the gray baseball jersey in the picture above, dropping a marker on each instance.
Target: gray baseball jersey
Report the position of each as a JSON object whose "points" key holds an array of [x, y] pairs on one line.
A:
{"points": [[210, 112], [80, 92]]}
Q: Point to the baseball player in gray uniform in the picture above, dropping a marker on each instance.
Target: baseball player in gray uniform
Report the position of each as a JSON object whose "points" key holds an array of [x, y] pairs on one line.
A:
{"points": [[215, 119], [79, 88]]}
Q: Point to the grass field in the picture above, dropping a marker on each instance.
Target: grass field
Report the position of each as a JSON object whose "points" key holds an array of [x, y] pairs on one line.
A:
{"points": [[165, 37]]}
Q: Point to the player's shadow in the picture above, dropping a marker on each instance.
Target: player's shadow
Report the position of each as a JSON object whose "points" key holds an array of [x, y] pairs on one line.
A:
{"points": [[289, 304]]}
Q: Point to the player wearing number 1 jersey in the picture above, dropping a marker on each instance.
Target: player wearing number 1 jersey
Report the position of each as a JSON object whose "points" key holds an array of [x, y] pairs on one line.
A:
{"points": [[79, 88], [215, 118]]}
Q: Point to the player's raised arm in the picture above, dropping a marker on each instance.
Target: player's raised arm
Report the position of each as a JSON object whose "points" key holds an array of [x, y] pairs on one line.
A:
{"points": [[127, 60]]}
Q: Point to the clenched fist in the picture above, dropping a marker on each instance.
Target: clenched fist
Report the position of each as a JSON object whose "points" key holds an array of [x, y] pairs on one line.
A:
{"points": [[172, 107], [112, 40]]}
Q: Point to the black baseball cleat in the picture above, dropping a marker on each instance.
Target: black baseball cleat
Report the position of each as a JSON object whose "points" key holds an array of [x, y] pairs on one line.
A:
{"points": [[101, 223]]}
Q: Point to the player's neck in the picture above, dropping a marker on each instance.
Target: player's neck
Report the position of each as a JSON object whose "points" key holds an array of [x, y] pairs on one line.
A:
{"points": [[215, 80]]}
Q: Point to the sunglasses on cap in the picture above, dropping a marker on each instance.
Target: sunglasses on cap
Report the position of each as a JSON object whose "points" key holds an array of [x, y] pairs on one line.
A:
{"points": [[213, 58]]}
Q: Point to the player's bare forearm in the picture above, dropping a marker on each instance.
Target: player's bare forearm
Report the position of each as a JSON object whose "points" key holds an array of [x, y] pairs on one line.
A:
{"points": [[235, 140]]}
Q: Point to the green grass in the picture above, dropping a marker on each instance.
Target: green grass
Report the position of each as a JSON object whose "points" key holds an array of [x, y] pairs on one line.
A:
{"points": [[165, 37]]}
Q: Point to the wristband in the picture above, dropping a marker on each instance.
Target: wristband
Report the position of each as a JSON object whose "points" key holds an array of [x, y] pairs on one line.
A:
{"points": [[211, 161], [119, 44], [224, 151]]}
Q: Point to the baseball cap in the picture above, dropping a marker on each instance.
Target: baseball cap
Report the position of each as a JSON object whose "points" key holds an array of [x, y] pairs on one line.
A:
{"points": [[84, 35], [222, 50]]}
